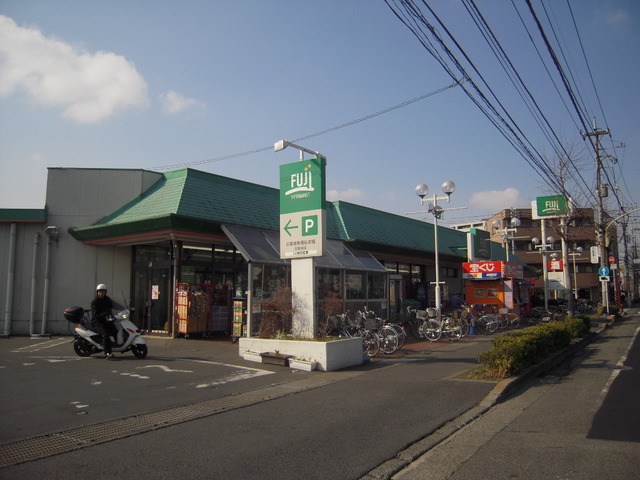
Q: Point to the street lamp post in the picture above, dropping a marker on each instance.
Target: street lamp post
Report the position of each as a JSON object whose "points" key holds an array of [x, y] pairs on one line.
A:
{"points": [[545, 249], [515, 223], [573, 255], [448, 187]]}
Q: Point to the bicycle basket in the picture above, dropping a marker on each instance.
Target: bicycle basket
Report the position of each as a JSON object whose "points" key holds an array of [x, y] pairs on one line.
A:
{"points": [[432, 312], [371, 323], [353, 321], [333, 322], [503, 311]]}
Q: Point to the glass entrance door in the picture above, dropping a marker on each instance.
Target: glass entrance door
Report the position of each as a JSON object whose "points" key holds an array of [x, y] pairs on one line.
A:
{"points": [[152, 299]]}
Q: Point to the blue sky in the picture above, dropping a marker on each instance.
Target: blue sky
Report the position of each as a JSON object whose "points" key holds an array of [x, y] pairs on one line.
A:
{"points": [[160, 84]]}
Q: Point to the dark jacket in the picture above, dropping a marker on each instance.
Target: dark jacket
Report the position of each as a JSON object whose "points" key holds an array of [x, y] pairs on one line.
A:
{"points": [[101, 308]]}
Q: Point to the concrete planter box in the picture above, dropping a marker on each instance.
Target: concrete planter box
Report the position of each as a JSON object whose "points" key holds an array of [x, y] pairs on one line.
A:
{"points": [[273, 358], [305, 365], [328, 356], [251, 356]]}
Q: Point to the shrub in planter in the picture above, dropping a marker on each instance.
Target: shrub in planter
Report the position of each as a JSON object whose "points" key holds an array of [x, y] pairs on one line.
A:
{"points": [[578, 326], [277, 314], [613, 310], [512, 353]]}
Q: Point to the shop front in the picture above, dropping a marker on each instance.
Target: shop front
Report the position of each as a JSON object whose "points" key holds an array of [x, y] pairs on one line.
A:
{"points": [[499, 284], [353, 277]]}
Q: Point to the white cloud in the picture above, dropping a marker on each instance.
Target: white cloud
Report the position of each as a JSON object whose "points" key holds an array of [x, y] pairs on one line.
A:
{"points": [[174, 102], [617, 17], [497, 200], [349, 195], [89, 87]]}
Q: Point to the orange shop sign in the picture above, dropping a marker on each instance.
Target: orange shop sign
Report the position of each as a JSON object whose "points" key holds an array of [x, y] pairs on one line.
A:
{"points": [[490, 270]]}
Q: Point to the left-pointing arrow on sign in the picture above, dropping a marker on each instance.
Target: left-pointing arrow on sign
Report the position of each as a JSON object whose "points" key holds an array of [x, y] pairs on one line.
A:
{"points": [[288, 227]]}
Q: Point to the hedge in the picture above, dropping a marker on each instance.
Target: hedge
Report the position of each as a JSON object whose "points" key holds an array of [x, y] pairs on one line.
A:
{"points": [[514, 352]]}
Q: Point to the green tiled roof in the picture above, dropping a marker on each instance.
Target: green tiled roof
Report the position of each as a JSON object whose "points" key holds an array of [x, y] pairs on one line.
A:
{"points": [[195, 194], [23, 215], [193, 201], [368, 227]]}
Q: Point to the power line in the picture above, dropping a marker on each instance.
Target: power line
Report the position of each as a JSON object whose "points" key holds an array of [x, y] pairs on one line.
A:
{"points": [[316, 134]]}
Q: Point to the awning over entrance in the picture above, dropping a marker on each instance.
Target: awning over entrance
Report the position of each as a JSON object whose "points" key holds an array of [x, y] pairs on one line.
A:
{"points": [[263, 246]]}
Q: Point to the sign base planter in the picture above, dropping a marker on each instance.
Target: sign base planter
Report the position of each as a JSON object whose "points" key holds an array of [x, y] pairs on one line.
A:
{"points": [[305, 365], [275, 359], [328, 355]]}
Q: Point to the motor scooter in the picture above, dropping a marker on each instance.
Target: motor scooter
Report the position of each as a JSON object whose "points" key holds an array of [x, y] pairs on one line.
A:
{"points": [[87, 341]]}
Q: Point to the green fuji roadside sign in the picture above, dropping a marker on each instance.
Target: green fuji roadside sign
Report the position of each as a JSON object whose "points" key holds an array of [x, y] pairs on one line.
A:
{"points": [[302, 212], [550, 206]]}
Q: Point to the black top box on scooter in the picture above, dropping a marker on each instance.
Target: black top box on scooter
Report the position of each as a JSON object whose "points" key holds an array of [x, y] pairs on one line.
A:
{"points": [[74, 314]]}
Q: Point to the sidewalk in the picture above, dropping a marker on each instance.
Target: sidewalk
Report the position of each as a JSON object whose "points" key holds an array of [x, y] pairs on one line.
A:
{"points": [[407, 458], [440, 454], [551, 428]]}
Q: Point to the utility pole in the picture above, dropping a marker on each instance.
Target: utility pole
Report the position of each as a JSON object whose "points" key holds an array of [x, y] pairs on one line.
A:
{"points": [[601, 192]]}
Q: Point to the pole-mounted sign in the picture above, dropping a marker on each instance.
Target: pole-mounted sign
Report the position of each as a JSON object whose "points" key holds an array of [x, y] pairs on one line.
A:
{"points": [[302, 212], [549, 207]]}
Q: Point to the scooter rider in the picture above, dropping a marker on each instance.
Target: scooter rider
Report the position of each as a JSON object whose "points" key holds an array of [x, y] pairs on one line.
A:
{"points": [[101, 308]]}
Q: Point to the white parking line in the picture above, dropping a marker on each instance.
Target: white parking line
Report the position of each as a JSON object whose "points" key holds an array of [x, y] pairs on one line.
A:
{"points": [[36, 347]]}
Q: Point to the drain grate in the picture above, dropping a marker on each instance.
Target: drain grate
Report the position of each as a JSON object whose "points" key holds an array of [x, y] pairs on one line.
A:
{"points": [[73, 439]]}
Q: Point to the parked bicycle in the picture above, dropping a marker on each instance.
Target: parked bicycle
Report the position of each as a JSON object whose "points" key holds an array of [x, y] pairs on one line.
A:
{"points": [[389, 336], [425, 324]]}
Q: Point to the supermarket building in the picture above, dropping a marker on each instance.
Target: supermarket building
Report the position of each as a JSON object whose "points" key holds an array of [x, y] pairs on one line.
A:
{"points": [[155, 237]]}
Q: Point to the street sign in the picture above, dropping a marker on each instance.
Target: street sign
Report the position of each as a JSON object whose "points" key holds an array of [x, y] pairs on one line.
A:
{"points": [[549, 207], [612, 259], [603, 271], [604, 278], [302, 213], [555, 265], [595, 254]]}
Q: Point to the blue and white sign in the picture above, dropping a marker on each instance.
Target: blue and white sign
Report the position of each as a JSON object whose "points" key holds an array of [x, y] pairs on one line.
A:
{"points": [[603, 271]]}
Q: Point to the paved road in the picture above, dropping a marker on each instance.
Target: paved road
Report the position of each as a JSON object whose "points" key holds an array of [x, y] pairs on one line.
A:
{"points": [[581, 421], [247, 419], [196, 410]]}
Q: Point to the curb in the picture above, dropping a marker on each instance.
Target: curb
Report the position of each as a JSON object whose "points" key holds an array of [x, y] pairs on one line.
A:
{"points": [[498, 394]]}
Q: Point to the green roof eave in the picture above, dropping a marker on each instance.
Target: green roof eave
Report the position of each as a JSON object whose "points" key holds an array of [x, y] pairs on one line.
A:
{"points": [[165, 225]]}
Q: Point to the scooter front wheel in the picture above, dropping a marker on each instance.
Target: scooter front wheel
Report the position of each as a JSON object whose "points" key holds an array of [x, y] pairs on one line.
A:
{"points": [[139, 350], [82, 348]]}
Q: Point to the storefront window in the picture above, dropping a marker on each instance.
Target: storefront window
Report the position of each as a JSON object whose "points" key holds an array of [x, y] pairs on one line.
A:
{"points": [[329, 283], [355, 283], [151, 254], [377, 285], [267, 279]]}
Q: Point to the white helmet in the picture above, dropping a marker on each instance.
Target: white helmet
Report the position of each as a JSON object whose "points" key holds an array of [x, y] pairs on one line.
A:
{"points": [[101, 286]]}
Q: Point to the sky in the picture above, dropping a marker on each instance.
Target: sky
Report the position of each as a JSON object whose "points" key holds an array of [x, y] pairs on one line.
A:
{"points": [[212, 85]]}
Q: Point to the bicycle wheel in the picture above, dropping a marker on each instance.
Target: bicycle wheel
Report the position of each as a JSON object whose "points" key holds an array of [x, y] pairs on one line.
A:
{"points": [[451, 329], [370, 343], [464, 326], [513, 320], [492, 322], [485, 325], [388, 339], [402, 335], [431, 329], [416, 329]]}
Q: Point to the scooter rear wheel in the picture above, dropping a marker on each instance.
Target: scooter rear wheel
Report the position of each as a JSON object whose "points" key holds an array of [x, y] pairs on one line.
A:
{"points": [[82, 348], [139, 350]]}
